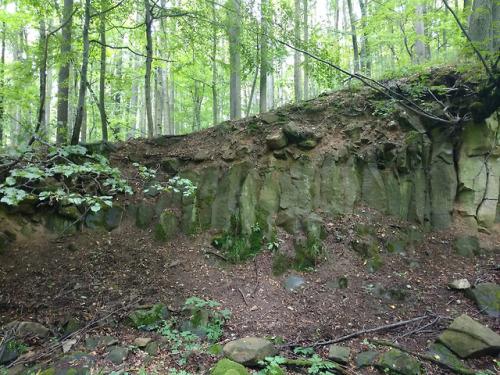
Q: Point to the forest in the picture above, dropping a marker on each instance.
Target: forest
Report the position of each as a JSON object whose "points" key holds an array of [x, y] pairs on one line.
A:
{"points": [[74, 71]]}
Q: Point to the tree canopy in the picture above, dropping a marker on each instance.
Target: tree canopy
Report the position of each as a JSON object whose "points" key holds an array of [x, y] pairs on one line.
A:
{"points": [[85, 70]]}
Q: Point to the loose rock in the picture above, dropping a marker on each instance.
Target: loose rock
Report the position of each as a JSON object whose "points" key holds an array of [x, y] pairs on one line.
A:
{"points": [[249, 350]]}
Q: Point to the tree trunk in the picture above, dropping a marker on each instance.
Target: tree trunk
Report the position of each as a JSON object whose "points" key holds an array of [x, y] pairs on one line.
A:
{"points": [[132, 115], [484, 28], [215, 109], [306, 58], [63, 77], [84, 125], [83, 76], [352, 20], [158, 104], [297, 73], [264, 69], [234, 33], [149, 60], [102, 76], [270, 93], [467, 10], [45, 130], [419, 55], [366, 65], [2, 84]]}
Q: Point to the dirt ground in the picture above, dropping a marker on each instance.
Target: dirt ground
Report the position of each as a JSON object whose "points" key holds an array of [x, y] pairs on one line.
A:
{"points": [[89, 277], [98, 278]]}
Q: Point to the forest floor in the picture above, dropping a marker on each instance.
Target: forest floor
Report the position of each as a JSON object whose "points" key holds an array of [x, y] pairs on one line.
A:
{"points": [[91, 276], [94, 276]]}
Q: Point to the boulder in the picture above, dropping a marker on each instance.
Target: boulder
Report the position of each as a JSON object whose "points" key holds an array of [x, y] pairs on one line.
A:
{"points": [[227, 367], [277, 140], [466, 246], [399, 362], [28, 329], [339, 354], [442, 353], [117, 355], [143, 216], [249, 350], [167, 227], [365, 358], [141, 342], [486, 296], [470, 339], [146, 318]]}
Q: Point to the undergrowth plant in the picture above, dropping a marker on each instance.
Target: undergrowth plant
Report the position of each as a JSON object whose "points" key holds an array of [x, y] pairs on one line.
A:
{"points": [[180, 343], [69, 175]]}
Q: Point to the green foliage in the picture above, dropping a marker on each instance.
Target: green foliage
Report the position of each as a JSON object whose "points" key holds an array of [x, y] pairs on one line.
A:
{"points": [[273, 246], [216, 317], [64, 174], [176, 183], [239, 248]]}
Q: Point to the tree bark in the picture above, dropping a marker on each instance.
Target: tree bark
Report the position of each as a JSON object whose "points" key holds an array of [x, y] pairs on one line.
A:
{"points": [[352, 20], [366, 65], [264, 69], [2, 84], [63, 77], [297, 73], [83, 76], [306, 42], [215, 109], [484, 28], [149, 60], [102, 76], [234, 33]]}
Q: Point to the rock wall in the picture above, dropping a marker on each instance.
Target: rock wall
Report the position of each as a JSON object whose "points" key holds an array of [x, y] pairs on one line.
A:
{"points": [[424, 177]]}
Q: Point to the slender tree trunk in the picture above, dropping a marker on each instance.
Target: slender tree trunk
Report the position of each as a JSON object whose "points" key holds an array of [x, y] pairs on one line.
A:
{"points": [[420, 31], [306, 42], [215, 109], [84, 125], [234, 32], [366, 65], [83, 76], [250, 99], [352, 20], [297, 73], [45, 130], [158, 104], [149, 60], [264, 69], [63, 76], [468, 10], [172, 105], [102, 76], [270, 93], [132, 115], [2, 84]]}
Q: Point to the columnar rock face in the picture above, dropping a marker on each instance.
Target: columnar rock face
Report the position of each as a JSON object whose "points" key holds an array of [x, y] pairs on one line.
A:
{"points": [[422, 176]]}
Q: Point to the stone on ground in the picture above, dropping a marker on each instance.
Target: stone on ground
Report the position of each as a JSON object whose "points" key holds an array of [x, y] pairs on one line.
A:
{"points": [[442, 353], [141, 342], [461, 284], [145, 318], [486, 296], [365, 358], [399, 362], [249, 350], [466, 246], [28, 329], [227, 367], [339, 354], [117, 355], [470, 339]]}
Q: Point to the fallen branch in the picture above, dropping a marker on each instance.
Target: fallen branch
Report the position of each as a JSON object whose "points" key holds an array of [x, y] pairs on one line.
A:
{"points": [[456, 369], [377, 86], [371, 330], [52, 348]]}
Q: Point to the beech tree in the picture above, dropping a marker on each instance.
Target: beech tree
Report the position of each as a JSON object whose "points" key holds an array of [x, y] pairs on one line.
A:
{"points": [[175, 66]]}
